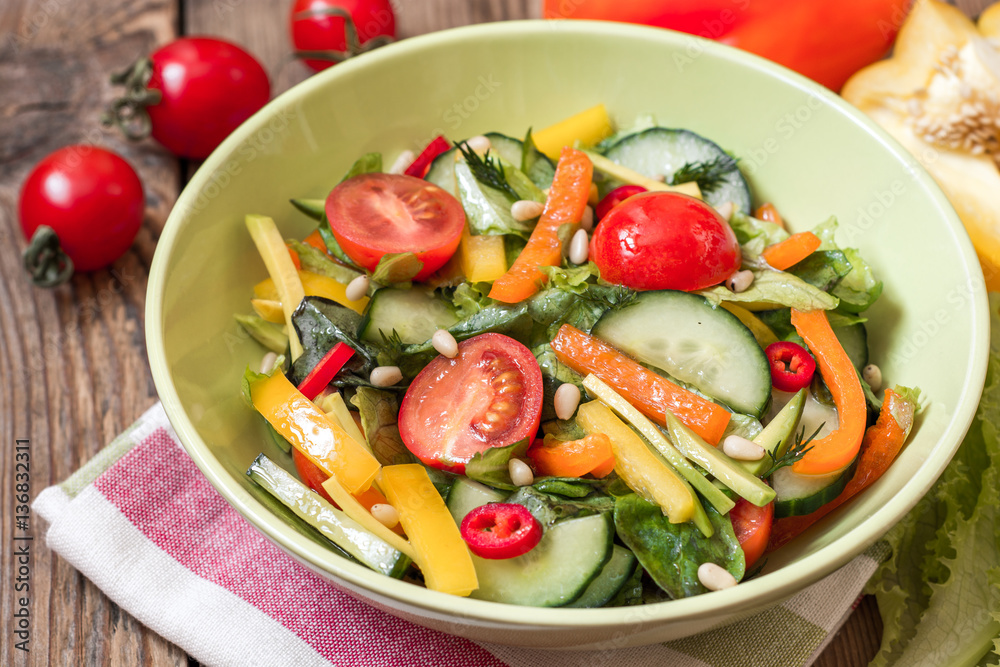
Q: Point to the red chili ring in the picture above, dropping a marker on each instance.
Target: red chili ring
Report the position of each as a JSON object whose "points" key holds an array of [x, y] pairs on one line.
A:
{"points": [[792, 367], [501, 530]]}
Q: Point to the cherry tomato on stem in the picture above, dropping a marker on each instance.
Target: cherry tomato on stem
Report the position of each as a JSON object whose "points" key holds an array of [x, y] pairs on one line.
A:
{"points": [[80, 207], [792, 366], [372, 215], [615, 197], [190, 95], [326, 32], [500, 530], [752, 526], [664, 240], [489, 395]]}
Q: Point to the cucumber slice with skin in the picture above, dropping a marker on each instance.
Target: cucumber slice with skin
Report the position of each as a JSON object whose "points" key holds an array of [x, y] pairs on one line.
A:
{"points": [[466, 495], [610, 581], [556, 572], [442, 169], [335, 525], [662, 151], [709, 348], [796, 495], [412, 313], [854, 340]]}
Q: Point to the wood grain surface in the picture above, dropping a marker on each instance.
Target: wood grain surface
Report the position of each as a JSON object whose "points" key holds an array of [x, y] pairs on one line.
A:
{"points": [[73, 360]]}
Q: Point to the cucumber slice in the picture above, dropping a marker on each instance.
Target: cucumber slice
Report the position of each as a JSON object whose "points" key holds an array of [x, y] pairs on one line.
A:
{"points": [[797, 494], [541, 171], [706, 347], [412, 313], [556, 572], [610, 581], [335, 525], [660, 150], [854, 339], [466, 495]]}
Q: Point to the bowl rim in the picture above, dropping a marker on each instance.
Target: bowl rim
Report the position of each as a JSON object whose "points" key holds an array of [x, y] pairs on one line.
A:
{"points": [[757, 593]]}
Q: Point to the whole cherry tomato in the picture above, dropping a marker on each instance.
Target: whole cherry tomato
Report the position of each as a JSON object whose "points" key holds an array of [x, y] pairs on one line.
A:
{"points": [[91, 199], [194, 92], [319, 27], [664, 240]]}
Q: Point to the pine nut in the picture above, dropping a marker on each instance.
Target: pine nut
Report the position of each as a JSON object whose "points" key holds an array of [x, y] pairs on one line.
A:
{"points": [[520, 473], [404, 160], [357, 288], [872, 374], [479, 144], [385, 514], [587, 221], [739, 448], [662, 178], [386, 376], [726, 210], [525, 209], [267, 363], [715, 578], [445, 343], [579, 247], [740, 281], [566, 400]]}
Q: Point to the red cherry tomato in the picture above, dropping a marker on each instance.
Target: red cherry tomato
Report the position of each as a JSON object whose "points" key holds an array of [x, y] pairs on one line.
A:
{"points": [[311, 475], [375, 214], [752, 526], [615, 197], [664, 240], [209, 87], [90, 197], [792, 366], [500, 530], [490, 395], [315, 28]]}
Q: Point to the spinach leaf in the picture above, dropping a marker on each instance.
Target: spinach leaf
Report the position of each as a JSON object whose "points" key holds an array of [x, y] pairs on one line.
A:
{"points": [[822, 269], [379, 412], [549, 508], [568, 487], [535, 165], [672, 553], [490, 467], [369, 163], [563, 430], [631, 592], [554, 374], [321, 324]]}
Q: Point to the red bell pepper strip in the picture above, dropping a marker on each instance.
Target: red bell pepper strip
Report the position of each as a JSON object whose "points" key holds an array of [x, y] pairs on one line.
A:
{"points": [[422, 164], [323, 373], [752, 526]]}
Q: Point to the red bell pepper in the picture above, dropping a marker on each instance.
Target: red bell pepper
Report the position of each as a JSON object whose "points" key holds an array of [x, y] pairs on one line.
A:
{"points": [[322, 374], [422, 164]]}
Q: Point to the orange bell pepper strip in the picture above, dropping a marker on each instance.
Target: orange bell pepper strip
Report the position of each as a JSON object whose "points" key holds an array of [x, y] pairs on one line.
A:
{"points": [[316, 241], [881, 445], [309, 430], [791, 251], [768, 212], [837, 449], [652, 394], [565, 205], [573, 458]]}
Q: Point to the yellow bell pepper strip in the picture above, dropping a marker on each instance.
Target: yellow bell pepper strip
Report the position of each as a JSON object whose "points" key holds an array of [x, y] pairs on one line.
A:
{"points": [[761, 332], [572, 458], [279, 265], [438, 547], [313, 284], [587, 127], [786, 254], [269, 310], [883, 442], [631, 177], [359, 509], [649, 392], [837, 449], [336, 408], [482, 257], [565, 205], [308, 429], [644, 472]]}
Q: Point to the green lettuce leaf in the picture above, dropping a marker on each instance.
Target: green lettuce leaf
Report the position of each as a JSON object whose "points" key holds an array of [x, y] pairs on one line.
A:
{"points": [[369, 163], [316, 261], [379, 411], [858, 289], [754, 235], [774, 289], [397, 269], [486, 208]]}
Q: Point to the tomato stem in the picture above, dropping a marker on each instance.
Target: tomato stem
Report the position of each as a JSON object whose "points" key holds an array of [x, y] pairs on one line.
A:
{"points": [[128, 113], [45, 260]]}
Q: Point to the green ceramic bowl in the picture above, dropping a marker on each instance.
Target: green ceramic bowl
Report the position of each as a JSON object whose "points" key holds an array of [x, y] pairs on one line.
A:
{"points": [[801, 147]]}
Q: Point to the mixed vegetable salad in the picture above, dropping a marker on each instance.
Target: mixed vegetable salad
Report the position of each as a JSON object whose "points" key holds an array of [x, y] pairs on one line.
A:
{"points": [[574, 370]]}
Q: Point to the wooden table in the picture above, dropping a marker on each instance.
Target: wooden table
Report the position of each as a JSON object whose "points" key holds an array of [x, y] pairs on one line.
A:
{"points": [[73, 359]]}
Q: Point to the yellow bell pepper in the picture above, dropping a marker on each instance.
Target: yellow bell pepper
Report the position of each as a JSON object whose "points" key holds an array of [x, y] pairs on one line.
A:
{"points": [[354, 509], [439, 549], [269, 310], [313, 284], [588, 127], [288, 286], [935, 96], [309, 430], [761, 332], [482, 257]]}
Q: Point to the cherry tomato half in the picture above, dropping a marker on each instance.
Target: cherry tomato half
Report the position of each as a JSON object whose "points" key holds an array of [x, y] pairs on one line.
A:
{"points": [[372, 215], [209, 87], [615, 197], [792, 366], [752, 526], [490, 395], [501, 530], [315, 28], [90, 197], [664, 240]]}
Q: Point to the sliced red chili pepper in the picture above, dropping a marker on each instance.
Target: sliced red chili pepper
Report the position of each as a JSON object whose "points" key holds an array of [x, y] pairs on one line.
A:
{"points": [[501, 530], [322, 373], [422, 164], [615, 197], [792, 366]]}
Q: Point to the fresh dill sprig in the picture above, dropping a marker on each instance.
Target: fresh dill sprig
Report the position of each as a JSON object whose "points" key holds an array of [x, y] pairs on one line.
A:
{"points": [[486, 169], [708, 175], [794, 453], [389, 351]]}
